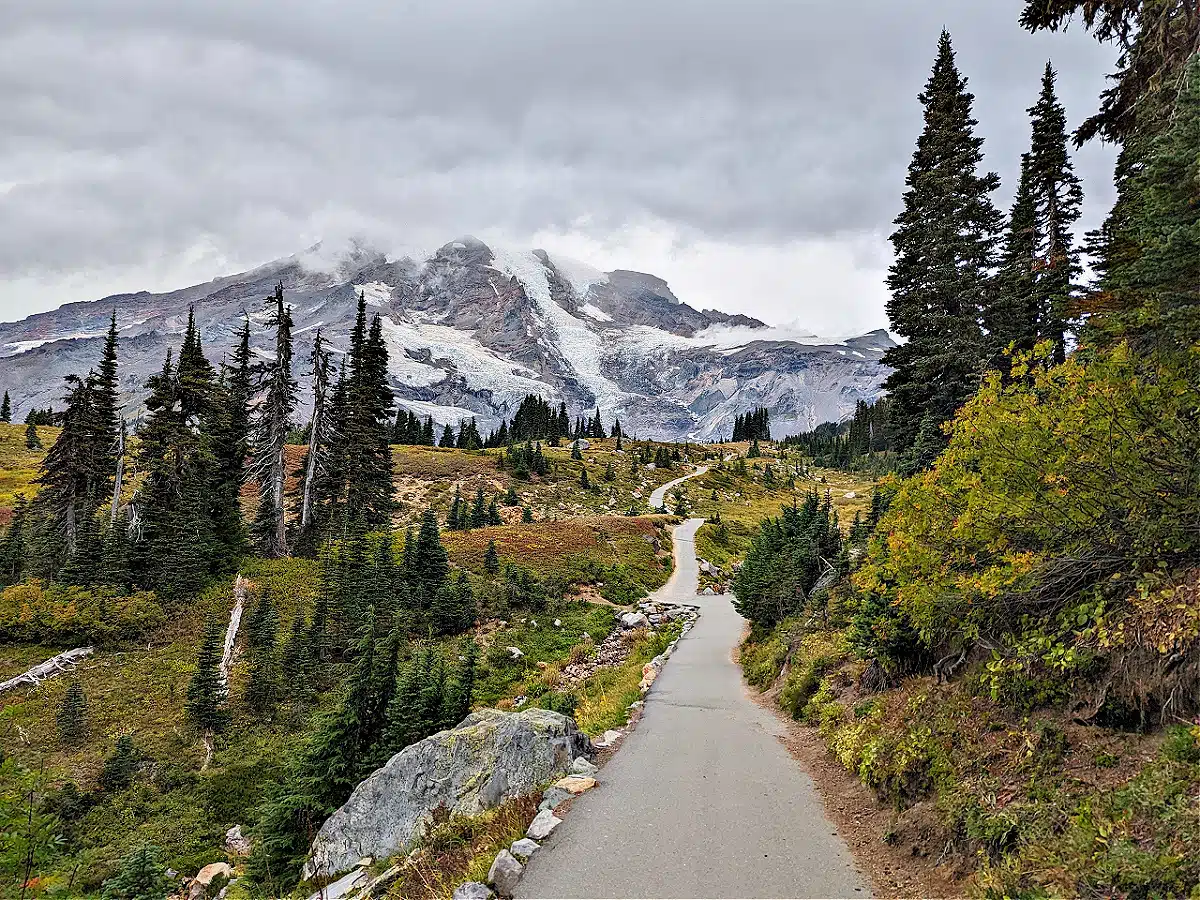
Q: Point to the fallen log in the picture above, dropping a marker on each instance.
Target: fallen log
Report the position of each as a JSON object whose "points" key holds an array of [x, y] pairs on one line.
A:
{"points": [[55, 665]]}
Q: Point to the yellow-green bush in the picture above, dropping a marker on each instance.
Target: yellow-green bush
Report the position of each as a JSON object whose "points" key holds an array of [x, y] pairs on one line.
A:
{"points": [[35, 611], [1062, 487]]}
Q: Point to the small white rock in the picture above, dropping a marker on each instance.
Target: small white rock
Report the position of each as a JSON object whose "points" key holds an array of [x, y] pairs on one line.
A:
{"points": [[472, 890], [524, 848], [582, 766], [515, 652], [542, 826]]}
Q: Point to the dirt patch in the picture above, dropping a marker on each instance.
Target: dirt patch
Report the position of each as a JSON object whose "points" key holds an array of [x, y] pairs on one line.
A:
{"points": [[903, 868]]}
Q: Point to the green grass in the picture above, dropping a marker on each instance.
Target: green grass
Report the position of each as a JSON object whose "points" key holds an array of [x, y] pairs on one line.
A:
{"points": [[502, 677], [617, 551], [19, 465]]}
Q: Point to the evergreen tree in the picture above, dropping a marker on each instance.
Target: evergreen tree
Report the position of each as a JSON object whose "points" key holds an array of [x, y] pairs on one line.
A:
{"points": [[12, 547], [72, 715], [206, 691], [1158, 301], [493, 514], [457, 701], [945, 247], [141, 875], [1058, 196], [32, 441], [431, 564], [511, 498], [231, 447], [176, 546], [296, 661], [261, 633], [491, 559], [583, 478], [1011, 315], [316, 469], [106, 405], [6, 409], [447, 437], [479, 509], [526, 515], [271, 428], [361, 419], [120, 765], [70, 481]]}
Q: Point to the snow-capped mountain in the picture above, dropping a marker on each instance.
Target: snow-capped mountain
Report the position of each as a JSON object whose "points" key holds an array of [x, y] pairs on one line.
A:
{"points": [[472, 329]]}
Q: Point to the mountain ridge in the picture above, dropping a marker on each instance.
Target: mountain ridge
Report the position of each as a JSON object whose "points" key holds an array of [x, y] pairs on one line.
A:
{"points": [[471, 329]]}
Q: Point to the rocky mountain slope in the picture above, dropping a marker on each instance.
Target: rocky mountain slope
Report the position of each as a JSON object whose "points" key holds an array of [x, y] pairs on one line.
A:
{"points": [[472, 329]]}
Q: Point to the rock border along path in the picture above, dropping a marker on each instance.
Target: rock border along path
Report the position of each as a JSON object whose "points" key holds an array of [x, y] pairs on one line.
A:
{"points": [[702, 800]]}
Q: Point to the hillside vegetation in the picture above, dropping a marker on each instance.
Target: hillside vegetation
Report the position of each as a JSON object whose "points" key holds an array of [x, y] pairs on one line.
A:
{"points": [[1008, 650]]}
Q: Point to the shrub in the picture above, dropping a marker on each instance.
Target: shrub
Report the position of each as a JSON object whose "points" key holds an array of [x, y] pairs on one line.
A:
{"points": [[1061, 488], [38, 612]]}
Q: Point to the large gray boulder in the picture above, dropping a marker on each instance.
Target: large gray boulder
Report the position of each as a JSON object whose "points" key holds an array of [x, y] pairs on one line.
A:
{"points": [[492, 757]]}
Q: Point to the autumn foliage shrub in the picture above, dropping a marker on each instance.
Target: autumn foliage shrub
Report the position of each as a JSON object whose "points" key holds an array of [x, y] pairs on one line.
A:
{"points": [[38, 612], [1066, 497]]}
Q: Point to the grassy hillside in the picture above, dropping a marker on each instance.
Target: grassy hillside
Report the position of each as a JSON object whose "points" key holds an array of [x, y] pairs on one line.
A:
{"points": [[582, 547], [19, 465]]}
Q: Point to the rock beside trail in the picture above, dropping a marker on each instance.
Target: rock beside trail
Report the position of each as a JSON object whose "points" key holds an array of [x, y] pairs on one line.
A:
{"points": [[576, 784], [472, 890], [634, 620], [542, 825], [583, 766], [505, 874], [524, 848], [552, 797], [492, 757]]}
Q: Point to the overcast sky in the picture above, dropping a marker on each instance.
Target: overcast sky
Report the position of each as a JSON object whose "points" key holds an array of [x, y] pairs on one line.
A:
{"points": [[751, 152]]}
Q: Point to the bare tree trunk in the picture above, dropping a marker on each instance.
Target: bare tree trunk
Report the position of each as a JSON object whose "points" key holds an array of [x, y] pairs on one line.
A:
{"points": [[278, 476], [119, 478], [310, 469]]}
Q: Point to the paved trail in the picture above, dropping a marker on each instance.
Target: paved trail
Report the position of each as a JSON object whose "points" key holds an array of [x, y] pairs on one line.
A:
{"points": [[658, 496], [702, 800]]}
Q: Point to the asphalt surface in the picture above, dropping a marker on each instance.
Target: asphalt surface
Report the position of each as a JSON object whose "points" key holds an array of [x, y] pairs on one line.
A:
{"points": [[658, 496], [701, 800]]}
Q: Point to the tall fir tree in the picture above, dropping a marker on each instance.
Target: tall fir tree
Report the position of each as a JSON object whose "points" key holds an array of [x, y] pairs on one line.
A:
{"points": [[6, 409], [271, 428], [1158, 308], [1058, 198], [231, 445], [368, 472], [106, 403], [70, 481], [1011, 314], [430, 564], [945, 243], [206, 692]]}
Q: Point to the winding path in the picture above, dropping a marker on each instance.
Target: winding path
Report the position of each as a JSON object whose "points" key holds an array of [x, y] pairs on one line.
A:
{"points": [[702, 800], [658, 496]]}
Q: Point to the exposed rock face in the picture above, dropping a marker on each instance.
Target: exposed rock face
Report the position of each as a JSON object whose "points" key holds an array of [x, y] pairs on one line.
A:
{"points": [[491, 757], [471, 329]]}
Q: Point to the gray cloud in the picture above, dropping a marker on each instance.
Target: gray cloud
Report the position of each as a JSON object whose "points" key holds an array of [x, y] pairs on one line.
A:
{"points": [[142, 142]]}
